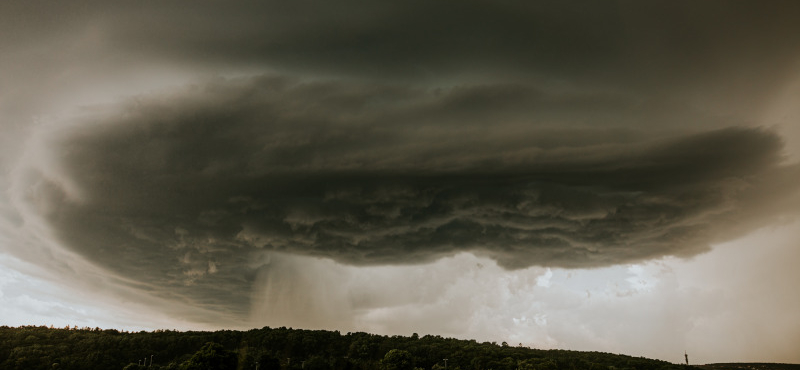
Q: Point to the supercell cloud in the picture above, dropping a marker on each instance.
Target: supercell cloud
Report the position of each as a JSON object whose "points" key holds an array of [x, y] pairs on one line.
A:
{"points": [[188, 153], [186, 189]]}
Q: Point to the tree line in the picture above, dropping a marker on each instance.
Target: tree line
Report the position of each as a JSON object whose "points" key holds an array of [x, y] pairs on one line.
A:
{"points": [[39, 347]]}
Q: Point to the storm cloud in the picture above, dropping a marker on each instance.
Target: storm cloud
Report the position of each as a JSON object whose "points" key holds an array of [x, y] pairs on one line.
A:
{"points": [[187, 189], [360, 165]]}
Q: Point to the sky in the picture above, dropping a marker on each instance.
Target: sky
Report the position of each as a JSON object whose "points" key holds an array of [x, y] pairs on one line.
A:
{"points": [[616, 176]]}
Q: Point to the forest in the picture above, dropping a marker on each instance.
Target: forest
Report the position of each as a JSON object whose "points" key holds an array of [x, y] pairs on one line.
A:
{"points": [[39, 347]]}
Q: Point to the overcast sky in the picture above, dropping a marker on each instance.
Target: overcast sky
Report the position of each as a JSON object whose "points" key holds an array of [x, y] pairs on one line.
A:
{"points": [[591, 175]]}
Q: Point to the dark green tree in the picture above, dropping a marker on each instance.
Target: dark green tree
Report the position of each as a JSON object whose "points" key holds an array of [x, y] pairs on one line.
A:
{"points": [[212, 356], [397, 359], [268, 362], [316, 362]]}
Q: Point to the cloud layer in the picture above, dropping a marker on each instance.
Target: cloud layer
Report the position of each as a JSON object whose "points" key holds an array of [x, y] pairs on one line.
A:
{"points": [[185, 189], [382, 166]]}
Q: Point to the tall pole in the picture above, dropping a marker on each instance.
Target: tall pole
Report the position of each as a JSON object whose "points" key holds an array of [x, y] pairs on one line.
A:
{"points": [[445, 364]]}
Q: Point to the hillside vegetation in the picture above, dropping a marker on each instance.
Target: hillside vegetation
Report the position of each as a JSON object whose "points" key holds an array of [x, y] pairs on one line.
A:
{"points": [[32, 347]]}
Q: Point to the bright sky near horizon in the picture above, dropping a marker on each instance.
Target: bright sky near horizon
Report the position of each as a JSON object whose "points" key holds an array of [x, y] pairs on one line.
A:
{"points": [[591, 175]]}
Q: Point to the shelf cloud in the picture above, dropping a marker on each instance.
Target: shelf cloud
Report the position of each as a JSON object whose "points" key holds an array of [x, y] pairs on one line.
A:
{"points": [[357, 165], [184, 188]]}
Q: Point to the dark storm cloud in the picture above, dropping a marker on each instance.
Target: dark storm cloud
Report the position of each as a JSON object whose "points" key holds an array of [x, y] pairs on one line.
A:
{"points": [[185, 189], [418, 37], [714, 58], [571, 134], [607, 42]]}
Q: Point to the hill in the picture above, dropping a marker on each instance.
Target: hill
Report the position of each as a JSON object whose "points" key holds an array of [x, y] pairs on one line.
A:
{"points": [[32, 347]]}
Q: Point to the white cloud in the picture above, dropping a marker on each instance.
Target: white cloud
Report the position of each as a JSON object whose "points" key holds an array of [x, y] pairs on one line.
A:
{"points": [[656, 309], [29, 297], [544, 280], [27, 300]]}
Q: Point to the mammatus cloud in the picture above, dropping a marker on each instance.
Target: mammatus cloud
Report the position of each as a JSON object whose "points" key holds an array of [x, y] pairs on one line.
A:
{"points": [[186, 189]]}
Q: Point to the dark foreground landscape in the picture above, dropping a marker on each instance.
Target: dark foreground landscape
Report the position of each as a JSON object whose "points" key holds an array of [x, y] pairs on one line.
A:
{"points": [[32, 347]]}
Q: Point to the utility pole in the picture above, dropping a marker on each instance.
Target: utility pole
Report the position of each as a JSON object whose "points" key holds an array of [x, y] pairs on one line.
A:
{"points": [[445, 364]]}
